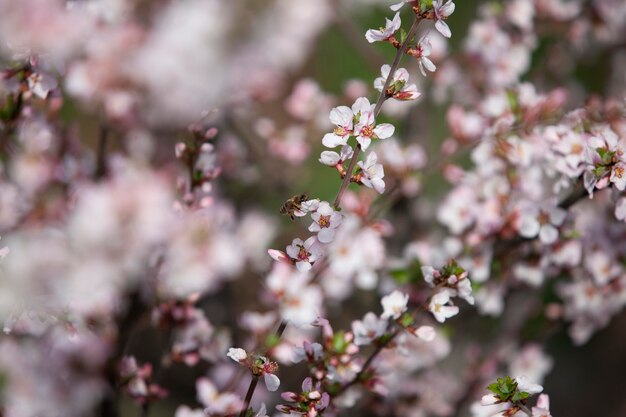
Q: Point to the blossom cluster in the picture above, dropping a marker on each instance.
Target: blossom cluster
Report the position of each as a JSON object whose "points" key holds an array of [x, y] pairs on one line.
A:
{"points": [[479, 208]]}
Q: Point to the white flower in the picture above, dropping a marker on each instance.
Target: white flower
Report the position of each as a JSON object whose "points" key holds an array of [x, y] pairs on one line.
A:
{"points": [[368, 330], [262, 411], [394, 305], [271, 382], [429, 274], [325, 221], [332, 158], [440, 308], [464, 290], [366, 129], [618, 176], [372, 173], [489, 399], [442, 11], [304, 253], [542, 409], [382, 34], [524, 385], [308, 351], [398, 86], [424, 49], [343, 118], [541, 220], [620, 209], [397, 6], [426, 333], [237, 354]]}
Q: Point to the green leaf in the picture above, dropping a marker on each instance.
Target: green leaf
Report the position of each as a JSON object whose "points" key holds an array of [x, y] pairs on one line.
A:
{"points": [[339, 342], [272, 340], [403, 35], [406, 320], [400, 276]]}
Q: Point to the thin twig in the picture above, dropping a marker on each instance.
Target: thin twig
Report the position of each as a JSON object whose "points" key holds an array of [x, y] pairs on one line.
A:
{"points": [[249, 394], [101, 163], [255, 378], [379, 103], [368, 362]]}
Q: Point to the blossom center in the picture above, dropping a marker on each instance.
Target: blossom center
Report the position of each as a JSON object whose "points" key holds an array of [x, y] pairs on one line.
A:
{"points": [[303, 254], [618, 171], [324, 221], [367, 131], [340, 131]]}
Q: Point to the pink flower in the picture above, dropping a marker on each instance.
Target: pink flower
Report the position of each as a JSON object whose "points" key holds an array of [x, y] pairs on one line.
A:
{"points": [[237, 354], [441, 306], [524, 385], [368, 330], [398, 86], [382, 34], [542, 409], [372, 173], [394, 305], [442, 12], [325, 221], [424, 50], [343, 118], [542, 220], [332, 158], [366, 129], [304, 253]]}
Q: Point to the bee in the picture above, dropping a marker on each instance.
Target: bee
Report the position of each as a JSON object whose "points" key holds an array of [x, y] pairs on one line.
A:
{"points": [[293, 204]]}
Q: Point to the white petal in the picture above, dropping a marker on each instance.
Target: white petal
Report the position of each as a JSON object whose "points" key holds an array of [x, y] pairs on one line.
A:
{"points": [[364, 141], [401, 75], [341, 116], [303, 266], [447, 9], [620, 209], [397, 6], [548, 234], [442, 27], [361, 105], [557, 216], [331, 140], [529, 227], [379, 83], [428, 64], [271, 382], [384, 130], [385, 70], [326, 235], [426, 333], [329, 158], [379, 185], [373, 36]]}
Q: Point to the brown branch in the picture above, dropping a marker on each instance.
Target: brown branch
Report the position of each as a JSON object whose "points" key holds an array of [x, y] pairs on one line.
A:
{"points": [[255, 378], [101, 163], [368, 362]]}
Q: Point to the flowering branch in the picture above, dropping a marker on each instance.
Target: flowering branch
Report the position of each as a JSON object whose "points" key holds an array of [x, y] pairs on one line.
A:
{"points": [[381, 99], [255, 378]]}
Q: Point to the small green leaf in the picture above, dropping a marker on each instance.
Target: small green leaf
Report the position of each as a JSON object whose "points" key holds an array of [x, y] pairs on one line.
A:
{"points": [[400, 276], [272, 340], [406, 320], [403, 35]]}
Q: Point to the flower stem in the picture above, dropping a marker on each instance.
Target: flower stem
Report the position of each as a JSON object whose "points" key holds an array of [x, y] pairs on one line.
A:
{"points": [[249, 394], [379, 103], [368, 362], [255, 378], [524, 409]]}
